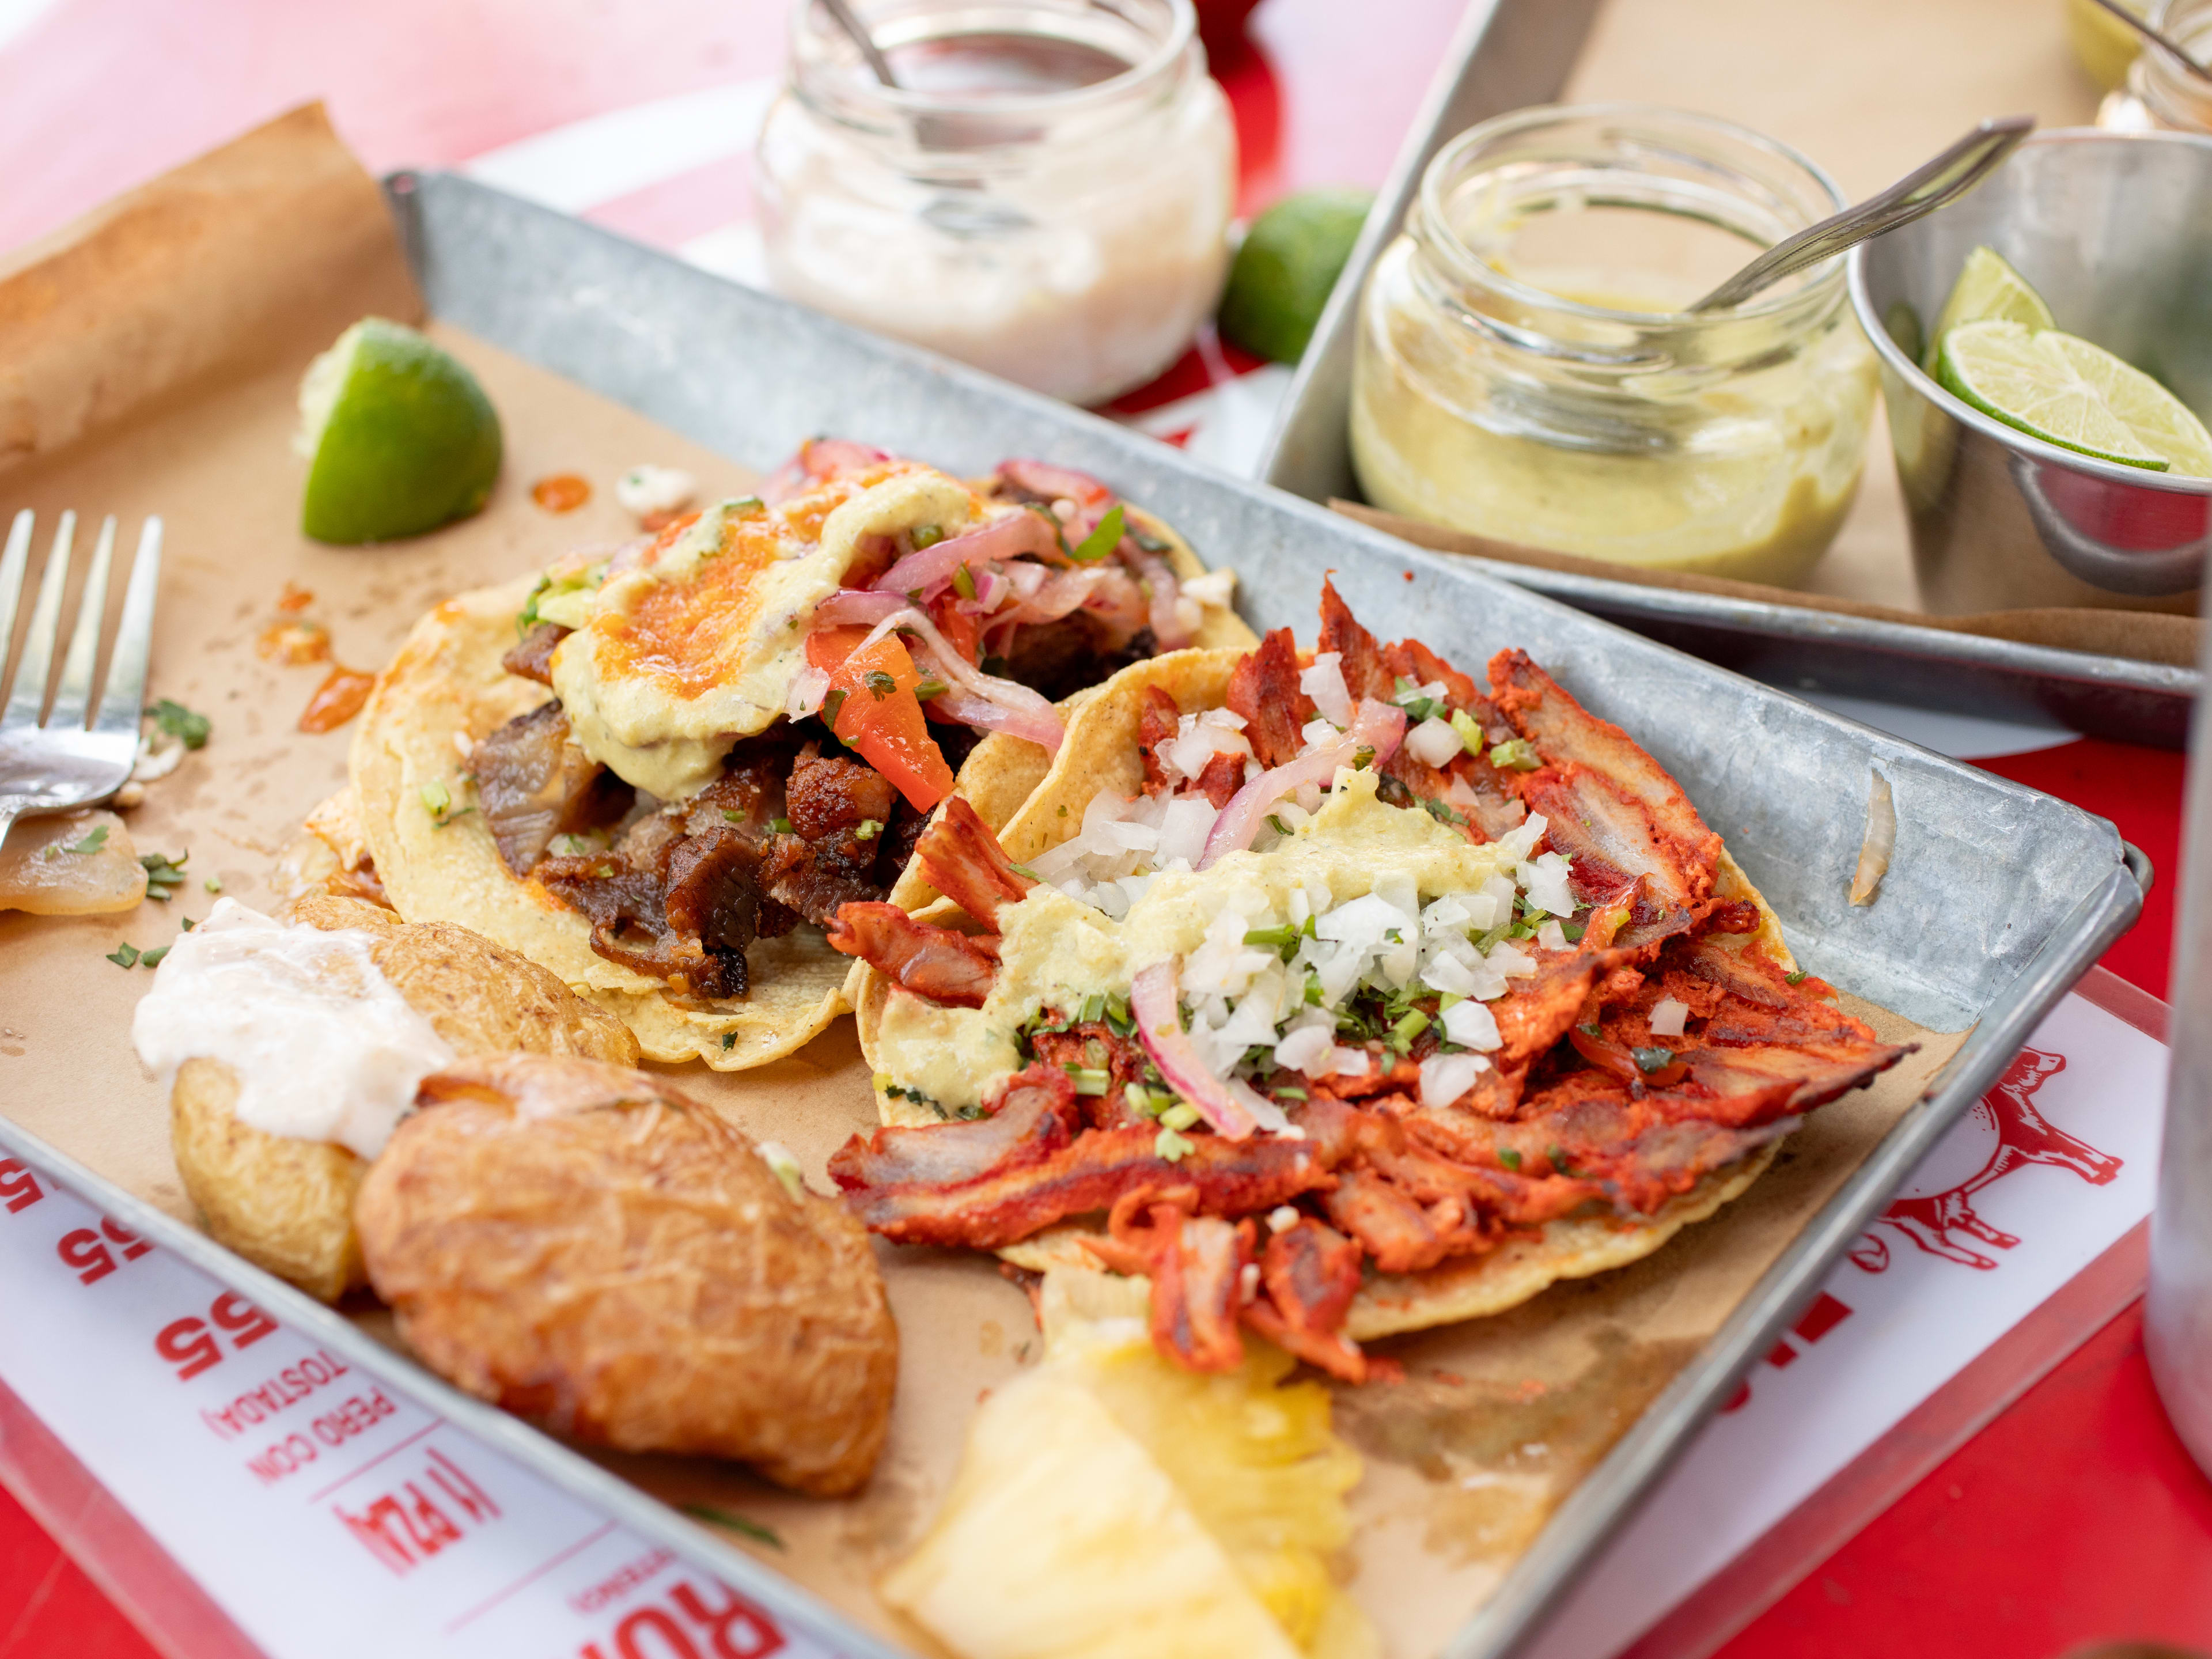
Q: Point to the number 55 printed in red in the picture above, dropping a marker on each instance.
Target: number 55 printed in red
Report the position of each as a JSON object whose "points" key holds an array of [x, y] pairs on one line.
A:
{"points": [[192, 1347], [87, 1251]]}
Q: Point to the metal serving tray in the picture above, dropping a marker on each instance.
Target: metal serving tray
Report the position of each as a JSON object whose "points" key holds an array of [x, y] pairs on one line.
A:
{"points": [[1514, 52], [1997, 900]]}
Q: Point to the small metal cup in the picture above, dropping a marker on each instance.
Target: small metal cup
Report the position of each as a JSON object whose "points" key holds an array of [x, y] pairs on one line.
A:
{"points": [[2115, 231]]}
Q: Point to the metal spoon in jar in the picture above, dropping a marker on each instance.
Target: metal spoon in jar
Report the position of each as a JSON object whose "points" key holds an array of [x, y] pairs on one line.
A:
{"points": [[1920, 192], [961, 208], [2164, 43]]}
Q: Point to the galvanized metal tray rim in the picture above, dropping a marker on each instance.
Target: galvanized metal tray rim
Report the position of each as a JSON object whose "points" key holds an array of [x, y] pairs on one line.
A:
{"points": [[1869, 634]]}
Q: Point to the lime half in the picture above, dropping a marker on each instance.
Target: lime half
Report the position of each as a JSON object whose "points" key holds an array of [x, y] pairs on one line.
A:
{"points": [[2161, 421], [1988, 291], [2029, 381], [1290, 260], [400, 437]]}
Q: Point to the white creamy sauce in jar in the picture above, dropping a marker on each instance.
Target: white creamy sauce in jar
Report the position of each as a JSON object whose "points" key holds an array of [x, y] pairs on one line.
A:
{"points": [[323, 1047]]}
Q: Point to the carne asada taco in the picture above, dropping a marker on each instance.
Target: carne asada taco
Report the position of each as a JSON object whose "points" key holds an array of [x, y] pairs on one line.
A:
{"points": [[1339, 995], [657, 773]]}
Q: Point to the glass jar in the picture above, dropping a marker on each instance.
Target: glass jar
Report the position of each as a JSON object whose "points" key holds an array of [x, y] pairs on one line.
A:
{"points": [[2159, 95], [1526, 371], [1045, 194]]}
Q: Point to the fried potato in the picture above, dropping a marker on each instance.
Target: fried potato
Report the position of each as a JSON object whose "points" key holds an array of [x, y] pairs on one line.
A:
{"points": [[287, 1204], [588, 1248]]}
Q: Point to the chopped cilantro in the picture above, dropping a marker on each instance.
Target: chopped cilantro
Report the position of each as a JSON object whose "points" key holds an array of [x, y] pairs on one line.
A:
{"points": [[1277, 824], [1063, 810], [1362, 758], [153, 958], [1797, 978], [929, 535], [879, 683], [181, 723], [123, 955], [869, 829], [1442, 813], [1102, 540], [1573, 930], [736, 1523], [928, 688], [1653, 1060], [189, 923], [164, 875], [1273, 938], [572, 846], [830, 704], [963, 582], [1509, 1157], [729, 1041], [1516, 754], [781, 826], [95, 839]]}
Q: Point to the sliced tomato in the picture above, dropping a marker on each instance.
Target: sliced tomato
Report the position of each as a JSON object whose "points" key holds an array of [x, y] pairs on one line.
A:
{"points": [[961, 629], [876, 713]]}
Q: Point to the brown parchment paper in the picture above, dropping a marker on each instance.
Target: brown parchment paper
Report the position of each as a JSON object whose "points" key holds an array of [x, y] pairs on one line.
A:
{"points": [[1499, 1419]]}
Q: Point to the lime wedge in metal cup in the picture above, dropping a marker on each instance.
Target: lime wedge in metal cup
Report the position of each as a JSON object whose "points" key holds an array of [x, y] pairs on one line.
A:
{"points": [[399, 437], [2067, 392], [1282, 274], [1988, 291]]}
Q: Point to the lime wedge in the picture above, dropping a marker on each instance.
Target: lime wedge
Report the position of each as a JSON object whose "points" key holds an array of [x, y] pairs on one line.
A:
{"points": [[1290, 260], [2025, 381], [400, 436], [2162, 423], [1988, 291]]}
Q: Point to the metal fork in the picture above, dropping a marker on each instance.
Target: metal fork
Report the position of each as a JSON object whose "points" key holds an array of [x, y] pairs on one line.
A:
{"points": [[53, 764]]}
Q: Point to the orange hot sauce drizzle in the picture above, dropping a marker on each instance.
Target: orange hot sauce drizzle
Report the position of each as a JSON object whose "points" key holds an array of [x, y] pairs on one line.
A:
{"points": [[292, 643], [564, 492], [336, 700]]}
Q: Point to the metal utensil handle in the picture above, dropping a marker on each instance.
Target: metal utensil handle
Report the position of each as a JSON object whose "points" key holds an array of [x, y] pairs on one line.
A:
{"points": [[842, 13], [2165, 42], [1920, 192]]}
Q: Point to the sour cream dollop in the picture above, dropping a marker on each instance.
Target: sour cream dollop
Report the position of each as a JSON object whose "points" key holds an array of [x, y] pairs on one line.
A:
{"points": [[323, 1045]]}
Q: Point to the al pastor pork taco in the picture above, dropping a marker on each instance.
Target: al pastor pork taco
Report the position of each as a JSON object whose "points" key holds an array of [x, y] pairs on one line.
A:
{"points": [[658, 772], [1336, 994]]}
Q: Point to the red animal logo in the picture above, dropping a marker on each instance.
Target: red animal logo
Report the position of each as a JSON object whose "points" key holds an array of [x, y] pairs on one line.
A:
{"points": [[2005, 1131]]}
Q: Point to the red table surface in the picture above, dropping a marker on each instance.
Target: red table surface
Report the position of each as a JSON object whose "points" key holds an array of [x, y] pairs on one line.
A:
{"points": [[2075, 1517]]}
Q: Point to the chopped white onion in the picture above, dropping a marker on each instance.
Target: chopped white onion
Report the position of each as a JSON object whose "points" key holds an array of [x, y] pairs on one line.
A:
{"points": [[1324, 683], [1667, 1016], [1472, 1026], [1445, 1077], [808, 687], [1433, 743]]}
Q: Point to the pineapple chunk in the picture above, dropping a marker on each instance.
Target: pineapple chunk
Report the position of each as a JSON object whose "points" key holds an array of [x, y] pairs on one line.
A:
{"points": [[1109, 1504]]}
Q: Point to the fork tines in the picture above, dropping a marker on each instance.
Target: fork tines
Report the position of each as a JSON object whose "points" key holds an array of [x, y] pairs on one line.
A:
{"points": [[125, 697]]}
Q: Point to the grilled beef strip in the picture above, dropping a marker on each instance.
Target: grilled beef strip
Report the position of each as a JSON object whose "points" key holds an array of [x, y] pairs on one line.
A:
{"points": [[533, 783]]}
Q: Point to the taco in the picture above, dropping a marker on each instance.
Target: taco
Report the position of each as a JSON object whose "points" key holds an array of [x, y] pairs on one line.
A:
{"points": [[657, 773], [1337, 995]]}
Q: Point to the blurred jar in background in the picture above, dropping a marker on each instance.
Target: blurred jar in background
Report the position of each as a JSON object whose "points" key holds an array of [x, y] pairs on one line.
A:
{"points": [[1045, 194], [1526, 371], [2160, 95]]}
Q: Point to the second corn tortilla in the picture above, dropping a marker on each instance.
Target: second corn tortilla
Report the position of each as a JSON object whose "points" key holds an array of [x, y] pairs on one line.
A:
{"points": [[1102, 752], [447, 682]]}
